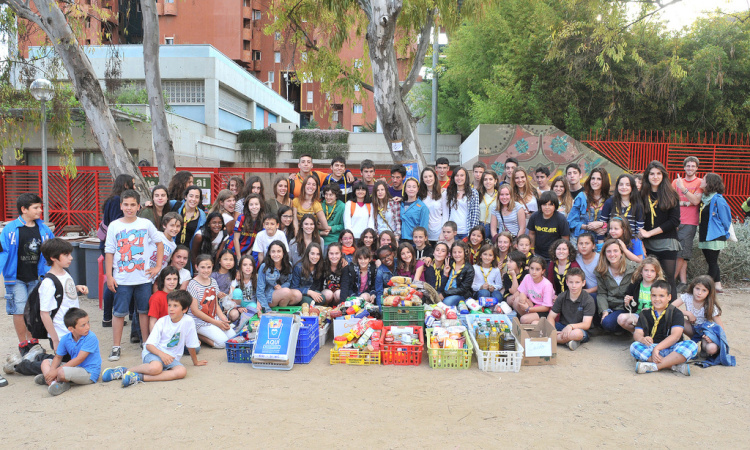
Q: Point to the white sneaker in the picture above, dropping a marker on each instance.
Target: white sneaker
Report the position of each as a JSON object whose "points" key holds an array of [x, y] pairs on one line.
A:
{"points": [[683, 368], [572, 345], [115, 354], [10, 363], [645, 367], [33, 352]]}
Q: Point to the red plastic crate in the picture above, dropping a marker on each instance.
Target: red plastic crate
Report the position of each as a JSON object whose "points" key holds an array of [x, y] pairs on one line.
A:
{"points": [[399, 354]]}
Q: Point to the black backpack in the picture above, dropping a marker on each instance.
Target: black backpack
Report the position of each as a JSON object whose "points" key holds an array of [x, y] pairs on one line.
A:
{"points": [[32, 313]]}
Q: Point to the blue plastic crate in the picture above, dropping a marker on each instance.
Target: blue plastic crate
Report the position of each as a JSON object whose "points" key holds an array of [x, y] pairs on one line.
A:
{"points": [[306, 350], [240, 353]]}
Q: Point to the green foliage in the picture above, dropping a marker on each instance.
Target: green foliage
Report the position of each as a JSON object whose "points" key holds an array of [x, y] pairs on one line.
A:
{"points": [[318, 143], [132, 94], [311, 125], [259, 146], [553, 62]]}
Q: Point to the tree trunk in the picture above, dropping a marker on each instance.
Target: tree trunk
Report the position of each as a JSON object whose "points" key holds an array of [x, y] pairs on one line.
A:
{"points": [[159, 127], [88, 91], [395, 118]]}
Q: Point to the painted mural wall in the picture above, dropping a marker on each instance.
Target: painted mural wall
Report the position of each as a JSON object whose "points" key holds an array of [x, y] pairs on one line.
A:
{"points": [[535, 146]]}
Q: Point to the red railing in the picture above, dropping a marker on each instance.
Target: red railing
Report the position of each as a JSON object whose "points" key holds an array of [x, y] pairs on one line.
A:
{"points": [[725, 154], [78, 201]]}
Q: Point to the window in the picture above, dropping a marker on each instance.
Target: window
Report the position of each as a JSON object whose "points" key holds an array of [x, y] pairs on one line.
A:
{"points": [[169, 41], [256, 55], [357, 108], [309, 97], [335, 116], [356, 88], [257, 15], [356, 129], [88, 22], [277, 57], [170, 1], [303, 56], [277, 35], [184, 91], [232, 103], [357, 63], [247, 3], [271, 76]]}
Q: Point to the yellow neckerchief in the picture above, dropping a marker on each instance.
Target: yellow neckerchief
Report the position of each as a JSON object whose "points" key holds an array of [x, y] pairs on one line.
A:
{"points": [[656, 320], [330, 177], [598, 207], [380, 213], [528, 256], [627, 210], [561, 278], [475, 253], [438, 275], [502, 264], [187, 219], [455, 274], [487, 205], [652, 207], [329, 215], [485, 275]]}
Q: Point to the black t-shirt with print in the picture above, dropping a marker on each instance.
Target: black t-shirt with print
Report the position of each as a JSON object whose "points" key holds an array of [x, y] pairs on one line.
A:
{"points": [[29, 252], [547, 231]]}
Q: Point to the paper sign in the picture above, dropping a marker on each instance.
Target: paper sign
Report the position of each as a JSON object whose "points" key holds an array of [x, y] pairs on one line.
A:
{"points": [[273, 338], [412, 170], [538, 347], [397, 146]]}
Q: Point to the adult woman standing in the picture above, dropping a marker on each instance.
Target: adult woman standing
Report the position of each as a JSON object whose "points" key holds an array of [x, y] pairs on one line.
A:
{"points": [[193, 216], [713, 228], [626, 203], [507, 215], [661, 219], [487, 197], [433, 196], [586, 206], [461, 204]]}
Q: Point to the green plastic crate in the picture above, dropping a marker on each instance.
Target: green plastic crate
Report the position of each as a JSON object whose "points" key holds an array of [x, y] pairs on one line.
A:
{"points": [[403, 315], [287, 309], [449, 358]]}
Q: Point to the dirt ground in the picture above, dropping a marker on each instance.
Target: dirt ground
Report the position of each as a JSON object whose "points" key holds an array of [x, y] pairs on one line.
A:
{"points": [[592, 397]]}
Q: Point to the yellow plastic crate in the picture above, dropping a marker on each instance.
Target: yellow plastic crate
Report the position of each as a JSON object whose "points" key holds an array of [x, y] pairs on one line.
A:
{"points": [[355, 357], [449, 358]]}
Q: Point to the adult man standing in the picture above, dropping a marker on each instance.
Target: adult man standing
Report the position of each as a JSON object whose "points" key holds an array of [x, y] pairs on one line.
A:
{"points": [[690, 192]]}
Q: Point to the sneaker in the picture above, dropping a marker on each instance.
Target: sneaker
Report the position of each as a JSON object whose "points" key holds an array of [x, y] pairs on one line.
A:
{"points": [[33, 352], [58, 388], [115, 354], [645, 367], [3, 381], [10, 363], [106, 324], [23, 347], [574, 344], [683, 368], [113, 373], [131, 378], [135, 340]]}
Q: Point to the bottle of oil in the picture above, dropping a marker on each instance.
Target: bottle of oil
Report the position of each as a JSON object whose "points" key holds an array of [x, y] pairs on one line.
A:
{"points": [[481, 339], [494, 340]]}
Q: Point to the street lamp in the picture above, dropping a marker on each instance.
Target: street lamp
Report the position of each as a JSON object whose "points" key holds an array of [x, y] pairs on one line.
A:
{"points": [[43, 91]]}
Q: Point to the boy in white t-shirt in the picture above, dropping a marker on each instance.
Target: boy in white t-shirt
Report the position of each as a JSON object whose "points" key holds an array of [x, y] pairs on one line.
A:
{"points": [[164, 346], [272, 233], [59, 255], [127, 268], [172, 224]]}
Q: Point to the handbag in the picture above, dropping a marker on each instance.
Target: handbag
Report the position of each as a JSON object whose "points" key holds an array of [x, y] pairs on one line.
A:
{"points": [[101, 232], [732, 235]]}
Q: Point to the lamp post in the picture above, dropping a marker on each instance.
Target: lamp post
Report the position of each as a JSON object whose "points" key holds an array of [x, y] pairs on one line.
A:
{"points": [[43, 91]]}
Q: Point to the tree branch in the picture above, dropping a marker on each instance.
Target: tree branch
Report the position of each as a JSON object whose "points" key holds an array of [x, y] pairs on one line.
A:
{"points": [[366, 7], [23, 10], [645, 16], [424, 42]]}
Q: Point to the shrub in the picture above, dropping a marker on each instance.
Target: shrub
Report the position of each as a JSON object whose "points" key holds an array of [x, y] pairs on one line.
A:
{"points": [[259, 146], [734, 260], [318, 143]]}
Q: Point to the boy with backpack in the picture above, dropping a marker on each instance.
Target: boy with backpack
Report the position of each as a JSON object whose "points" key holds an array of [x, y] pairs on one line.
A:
{"points": [[21, 262], [57, 292], [126, 261]]}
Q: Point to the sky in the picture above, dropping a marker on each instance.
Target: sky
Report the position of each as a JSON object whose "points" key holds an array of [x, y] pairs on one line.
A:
{"points": [[684, 12]]}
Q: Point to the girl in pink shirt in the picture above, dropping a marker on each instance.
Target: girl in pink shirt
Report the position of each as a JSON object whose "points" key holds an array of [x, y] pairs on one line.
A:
{"points": [[536, 293]]}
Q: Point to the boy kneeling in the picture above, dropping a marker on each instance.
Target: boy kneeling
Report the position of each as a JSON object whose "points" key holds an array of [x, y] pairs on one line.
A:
{"points": [[82, 347], [658, 335], [164, 346], [576, 308]]}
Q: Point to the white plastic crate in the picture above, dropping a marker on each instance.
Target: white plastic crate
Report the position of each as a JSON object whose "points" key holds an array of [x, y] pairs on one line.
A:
{"points": [[324, 334], [492, 361]]}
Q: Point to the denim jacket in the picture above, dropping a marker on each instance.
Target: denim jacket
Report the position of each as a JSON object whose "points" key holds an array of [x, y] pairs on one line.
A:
{"points": [[267, 279]]}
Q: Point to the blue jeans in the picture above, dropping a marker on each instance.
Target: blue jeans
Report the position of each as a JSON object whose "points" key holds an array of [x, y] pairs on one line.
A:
{"points": [[559, 327], [16, 295], [609, 323], [149, 357], [452, 300], [494, 294], [460, 236], [140, 292]]}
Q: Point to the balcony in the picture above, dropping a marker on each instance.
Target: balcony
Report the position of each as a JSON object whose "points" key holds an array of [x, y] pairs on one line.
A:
{"points": [[170, 9], [247, 12], [247, 57], [247, 34], [160, 9]]}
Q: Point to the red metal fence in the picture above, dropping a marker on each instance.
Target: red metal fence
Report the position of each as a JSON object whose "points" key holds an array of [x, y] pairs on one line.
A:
{"points": [[725, 154], [78, 201]]}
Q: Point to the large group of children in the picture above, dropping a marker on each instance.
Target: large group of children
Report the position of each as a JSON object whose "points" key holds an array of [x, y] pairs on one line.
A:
{"points": [[557, 250]]}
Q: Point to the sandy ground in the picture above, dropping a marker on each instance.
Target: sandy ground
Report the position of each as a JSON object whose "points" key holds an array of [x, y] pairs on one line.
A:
{"points": [[592, 397]]}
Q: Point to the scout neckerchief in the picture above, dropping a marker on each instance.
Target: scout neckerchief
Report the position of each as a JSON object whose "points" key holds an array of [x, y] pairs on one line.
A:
{"points": [[455, 274], [380, 213], [330, 214], [475, 253], [438, 275], [656, 321], [561, 278], [187, 219], [502, 264], [485, 275], [597, 207], [487, 206], [627, 210], [652, 207]]}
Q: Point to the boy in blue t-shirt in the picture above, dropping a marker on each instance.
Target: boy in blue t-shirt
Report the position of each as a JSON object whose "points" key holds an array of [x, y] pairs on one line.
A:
{"points": [[21, 262], [82, 347]]}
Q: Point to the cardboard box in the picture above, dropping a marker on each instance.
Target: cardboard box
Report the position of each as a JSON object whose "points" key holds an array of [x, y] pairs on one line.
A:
{"points": [[342, 326], [539, 342]]}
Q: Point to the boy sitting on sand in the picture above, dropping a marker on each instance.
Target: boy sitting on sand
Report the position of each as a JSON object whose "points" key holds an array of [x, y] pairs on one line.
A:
{"points": [[658, 335], [164, 346], [576, 308]]}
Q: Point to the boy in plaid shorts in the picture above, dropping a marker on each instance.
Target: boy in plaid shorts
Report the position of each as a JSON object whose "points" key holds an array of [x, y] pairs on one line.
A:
{"points": [[658, 335]]}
